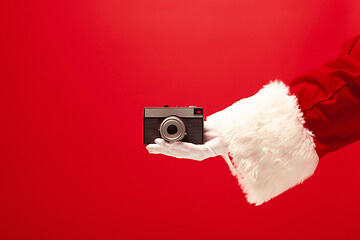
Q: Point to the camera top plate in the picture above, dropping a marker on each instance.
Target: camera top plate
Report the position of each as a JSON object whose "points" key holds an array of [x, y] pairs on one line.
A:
{"points": [[184, 112]]}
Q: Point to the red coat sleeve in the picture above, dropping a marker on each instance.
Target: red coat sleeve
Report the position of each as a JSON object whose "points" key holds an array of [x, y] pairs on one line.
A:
{"points": [[329, 98], [276, 137]]}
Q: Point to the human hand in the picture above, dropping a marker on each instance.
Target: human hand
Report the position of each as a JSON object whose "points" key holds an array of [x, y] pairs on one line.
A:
{"points": [[212, 147]]}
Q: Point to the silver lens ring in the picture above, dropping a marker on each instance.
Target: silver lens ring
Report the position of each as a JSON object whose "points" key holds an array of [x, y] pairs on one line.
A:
{"points": [[172, 129]]}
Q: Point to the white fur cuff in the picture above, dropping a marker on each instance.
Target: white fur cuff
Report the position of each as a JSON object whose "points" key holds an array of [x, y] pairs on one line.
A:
{"points": [[272, 151]]}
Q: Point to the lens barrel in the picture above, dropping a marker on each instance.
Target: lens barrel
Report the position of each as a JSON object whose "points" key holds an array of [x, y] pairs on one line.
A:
{"points": [[172, 129]]}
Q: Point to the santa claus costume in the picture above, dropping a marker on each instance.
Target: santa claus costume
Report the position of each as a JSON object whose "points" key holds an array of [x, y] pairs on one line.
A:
{"points": [[276, 137]]}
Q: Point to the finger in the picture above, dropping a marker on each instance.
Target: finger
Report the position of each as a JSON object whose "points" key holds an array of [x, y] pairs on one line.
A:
{"points": [[177, 149], [160, 142], [168, 146], [157, 149], [151, 148], [192, 151], [176, 145], [183, 146], [163, 147], [180, 150]]}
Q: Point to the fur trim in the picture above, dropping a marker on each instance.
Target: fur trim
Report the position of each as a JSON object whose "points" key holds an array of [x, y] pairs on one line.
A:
{"points": [[272, 150]]}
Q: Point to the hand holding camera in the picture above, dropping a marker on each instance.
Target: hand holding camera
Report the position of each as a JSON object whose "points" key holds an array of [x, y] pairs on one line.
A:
{"points": [[181, 133], [212, 147]]}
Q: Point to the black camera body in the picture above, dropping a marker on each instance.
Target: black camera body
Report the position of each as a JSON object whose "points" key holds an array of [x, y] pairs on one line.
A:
{"points": [[173, 124]]}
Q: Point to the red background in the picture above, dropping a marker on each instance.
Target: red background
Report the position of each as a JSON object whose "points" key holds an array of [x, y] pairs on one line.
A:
{"points": [[75, 76]]}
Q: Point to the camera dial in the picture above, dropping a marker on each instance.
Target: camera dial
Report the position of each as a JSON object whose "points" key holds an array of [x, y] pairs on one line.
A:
{"points": [[172, 129]]}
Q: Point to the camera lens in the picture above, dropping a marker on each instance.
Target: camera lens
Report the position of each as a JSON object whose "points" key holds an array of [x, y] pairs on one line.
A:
{"points": [[172, 129]]}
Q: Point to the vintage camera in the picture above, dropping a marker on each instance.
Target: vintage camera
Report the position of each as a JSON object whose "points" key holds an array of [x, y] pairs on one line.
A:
{"points": [[173, 124]]}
